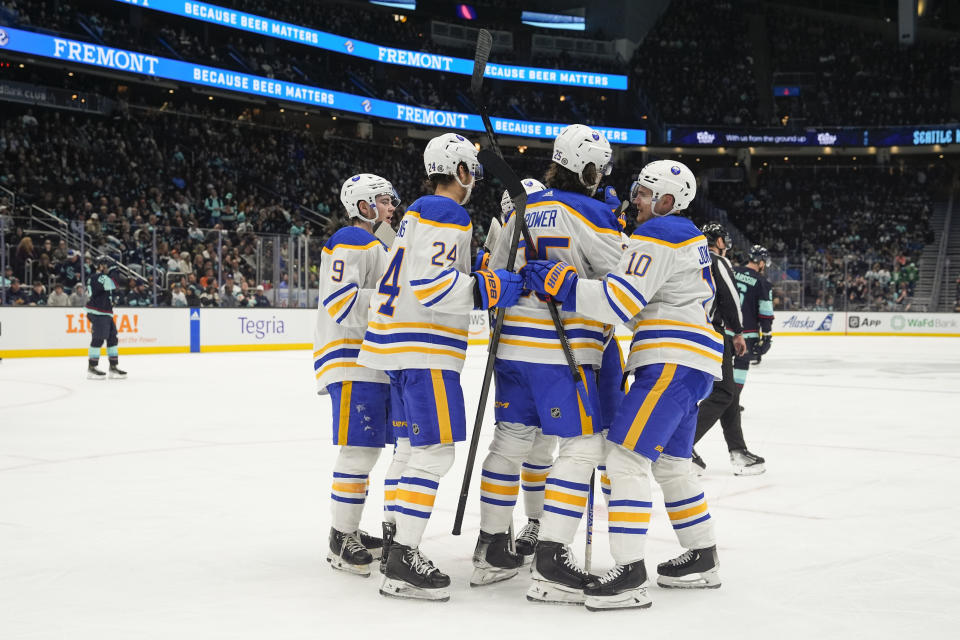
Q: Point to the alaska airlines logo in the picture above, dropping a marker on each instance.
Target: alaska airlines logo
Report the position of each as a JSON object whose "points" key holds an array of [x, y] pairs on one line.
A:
{"points": [[348, 45], [705, 137], [4, 38], [367, 106], [826, 138]]}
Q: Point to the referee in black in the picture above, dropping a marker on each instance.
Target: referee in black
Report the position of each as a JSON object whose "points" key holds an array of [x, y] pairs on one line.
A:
{"points": [[726, 318]]}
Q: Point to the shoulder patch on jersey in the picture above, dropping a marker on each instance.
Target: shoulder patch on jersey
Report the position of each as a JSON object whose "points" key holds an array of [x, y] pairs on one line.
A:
{"points": [[672, 231], [352, 236], [441, 211]]}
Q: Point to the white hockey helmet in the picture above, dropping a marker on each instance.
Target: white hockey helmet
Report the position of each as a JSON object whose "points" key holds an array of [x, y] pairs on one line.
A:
{"points": [[579, 145], [445, 153], [667, 176], [530, 185], [366, 187]]}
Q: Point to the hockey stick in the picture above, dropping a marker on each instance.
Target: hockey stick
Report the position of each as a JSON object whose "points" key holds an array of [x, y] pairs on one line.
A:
{"points": [[588, 547], [484, 45], [493, 164]]}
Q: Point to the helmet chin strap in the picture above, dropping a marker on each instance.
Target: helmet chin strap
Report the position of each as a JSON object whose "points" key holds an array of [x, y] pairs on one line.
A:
{"points": [[373, 207], [468, 187]]}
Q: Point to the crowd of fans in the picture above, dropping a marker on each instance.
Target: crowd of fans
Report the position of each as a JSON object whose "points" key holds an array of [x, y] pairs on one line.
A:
{"points": [[696, 65], [220, 197], [852, 76], [851, 236]]}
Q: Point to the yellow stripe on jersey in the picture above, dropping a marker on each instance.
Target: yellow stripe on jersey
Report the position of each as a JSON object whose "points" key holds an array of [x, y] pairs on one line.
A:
{"points": [[417, 325], [435, 352], [344, 412], [552, 345], [443, 411], [511, 490], [335, 343], [358, 487], [649, 403], [443, 225], [566, 498], [353, 247], [424, 294], [628, 516], [549, 323], [677, 323], [335, 309], [677, 345], [334, 365], [575, 213], [415, 497], [672, 245], [686, 513], [623, 298]]}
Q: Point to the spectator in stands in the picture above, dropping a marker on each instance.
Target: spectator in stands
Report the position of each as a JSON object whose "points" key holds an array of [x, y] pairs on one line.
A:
{"points": [[38, 296], [228, 299], [58, 298], [69, 272], [262, 301], [177, 297], [210, 297], [138, 296], [79, 297], [911, 274], [23, 255], [16, 296]]}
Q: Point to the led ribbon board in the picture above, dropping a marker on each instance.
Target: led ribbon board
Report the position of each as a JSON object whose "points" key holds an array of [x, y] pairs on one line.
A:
{"points": [[370, 51], [84, 53]]}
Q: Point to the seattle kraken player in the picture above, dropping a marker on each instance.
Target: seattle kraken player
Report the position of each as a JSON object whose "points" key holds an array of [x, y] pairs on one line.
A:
{"points": [[535, 390], [352, 261], [103, 329], [756, 303], [419, 318], [660, 288]]}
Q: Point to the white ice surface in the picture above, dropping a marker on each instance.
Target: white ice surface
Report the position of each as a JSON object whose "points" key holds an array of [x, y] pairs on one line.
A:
{"points": [[191, 501]]}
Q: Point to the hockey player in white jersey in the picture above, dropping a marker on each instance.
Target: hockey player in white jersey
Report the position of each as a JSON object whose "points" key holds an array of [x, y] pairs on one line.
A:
{"points": [[660, 289], [534, 386], [419, 319], [351, 263]]}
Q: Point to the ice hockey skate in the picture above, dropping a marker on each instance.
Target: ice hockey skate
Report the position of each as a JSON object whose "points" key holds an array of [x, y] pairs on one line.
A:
{"points": [[556, 576], [493, 560], [410, 574], [116, 373], [348, 554], [93, 373], [693, 569], [527, 538], [623, 587], [746, 464], [373, 544]]}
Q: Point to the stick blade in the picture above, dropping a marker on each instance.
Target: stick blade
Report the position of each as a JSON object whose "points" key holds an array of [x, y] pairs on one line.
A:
{"points": [[480, 58]]}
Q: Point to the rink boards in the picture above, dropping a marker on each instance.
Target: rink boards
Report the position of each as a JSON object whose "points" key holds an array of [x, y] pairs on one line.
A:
{"points": [[64, 331]]}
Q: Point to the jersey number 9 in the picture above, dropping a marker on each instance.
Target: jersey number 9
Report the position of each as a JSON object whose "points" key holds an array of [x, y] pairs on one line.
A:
{"points": [[337, 271]]}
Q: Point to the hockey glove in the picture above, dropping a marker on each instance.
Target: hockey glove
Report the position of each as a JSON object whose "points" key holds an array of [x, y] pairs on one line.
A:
{"points": [[609, 196], [555, 279], [763, 344], [482, 261], [500, 288]]}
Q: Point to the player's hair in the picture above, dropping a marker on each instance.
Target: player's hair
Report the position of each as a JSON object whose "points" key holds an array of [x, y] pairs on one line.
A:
{"points": [[558, 177], [434, 180]]}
